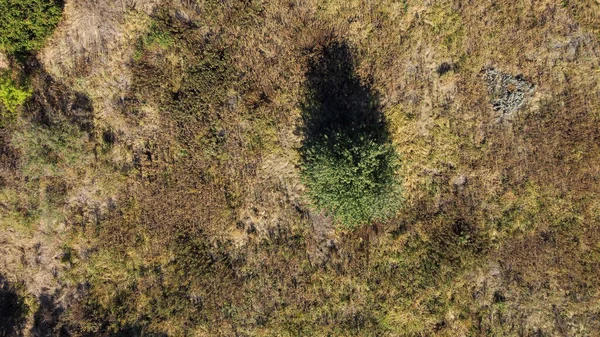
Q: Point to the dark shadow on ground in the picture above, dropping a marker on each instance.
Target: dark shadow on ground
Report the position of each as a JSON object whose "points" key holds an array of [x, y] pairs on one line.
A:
{"points": [[338, 101], [54, 105], [136, 331], [348, 162], [12, 310], [47, 316]]}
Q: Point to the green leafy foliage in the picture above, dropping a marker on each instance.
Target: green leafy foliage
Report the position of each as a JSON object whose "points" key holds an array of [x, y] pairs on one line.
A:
{"points": [[352, 178], [24, 24], [11, 97], [158, 37]]}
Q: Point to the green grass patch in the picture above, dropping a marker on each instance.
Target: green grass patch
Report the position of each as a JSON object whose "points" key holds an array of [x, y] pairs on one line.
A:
{"points": [[158, 37]]}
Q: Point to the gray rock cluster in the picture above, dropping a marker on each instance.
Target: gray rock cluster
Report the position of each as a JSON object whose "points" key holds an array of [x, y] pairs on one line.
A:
{"points": [[508, 93]]}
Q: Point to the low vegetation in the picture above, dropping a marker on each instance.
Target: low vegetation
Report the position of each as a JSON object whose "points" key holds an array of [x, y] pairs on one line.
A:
{"points": [[299, 168], [11, 96]]}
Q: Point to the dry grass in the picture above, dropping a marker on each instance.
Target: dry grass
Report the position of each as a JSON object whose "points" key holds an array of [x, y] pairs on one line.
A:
{"points": [[3, 62], [193, 220], [90, 32]]}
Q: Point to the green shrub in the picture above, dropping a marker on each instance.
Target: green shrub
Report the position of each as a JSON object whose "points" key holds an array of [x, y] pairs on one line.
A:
{"points": [[24, 24], [11, 97], [353, 179], [158, 37]]}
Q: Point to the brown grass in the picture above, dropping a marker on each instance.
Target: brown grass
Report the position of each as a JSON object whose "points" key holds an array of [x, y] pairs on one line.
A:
{"points": [[194, 221]]}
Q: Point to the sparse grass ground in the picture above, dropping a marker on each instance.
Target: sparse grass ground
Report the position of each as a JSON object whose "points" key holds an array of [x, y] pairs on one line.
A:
{"points": [[151, 184]]}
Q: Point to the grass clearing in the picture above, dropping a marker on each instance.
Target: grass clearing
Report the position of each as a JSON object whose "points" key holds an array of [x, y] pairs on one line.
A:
{"points": [[174, 158]]}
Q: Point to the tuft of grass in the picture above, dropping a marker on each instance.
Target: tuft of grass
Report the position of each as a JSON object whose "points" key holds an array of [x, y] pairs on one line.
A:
{"points": [[447, 25], [51, 152], [158, 37]]}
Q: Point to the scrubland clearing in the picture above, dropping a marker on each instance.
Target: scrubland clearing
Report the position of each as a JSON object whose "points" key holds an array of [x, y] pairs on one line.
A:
{"points": [[299, 168]]}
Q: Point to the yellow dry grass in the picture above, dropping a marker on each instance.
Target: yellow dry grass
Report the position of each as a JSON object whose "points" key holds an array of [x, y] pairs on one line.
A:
{"points": [[503, 213]]}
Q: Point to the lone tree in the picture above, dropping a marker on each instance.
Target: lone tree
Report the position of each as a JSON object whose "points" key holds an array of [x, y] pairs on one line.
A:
{"points": [[348, 162]]}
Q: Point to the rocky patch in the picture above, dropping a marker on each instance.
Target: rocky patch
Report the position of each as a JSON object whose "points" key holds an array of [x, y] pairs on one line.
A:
{"points": [[508, 93]]}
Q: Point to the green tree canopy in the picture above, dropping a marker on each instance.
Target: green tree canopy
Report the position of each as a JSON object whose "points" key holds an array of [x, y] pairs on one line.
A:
{"points": [[24, 24]]}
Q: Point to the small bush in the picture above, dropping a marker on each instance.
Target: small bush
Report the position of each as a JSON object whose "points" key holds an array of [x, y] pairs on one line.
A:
{"points": [[158, 37], [11, 97], [24, 24], [354, 179]]}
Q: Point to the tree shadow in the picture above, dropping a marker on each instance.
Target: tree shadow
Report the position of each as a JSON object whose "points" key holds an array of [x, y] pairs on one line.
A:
{"points": [[12, 310], [54, 105], [47, 316], [348, 162], [337, 99], [136, 331]]}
